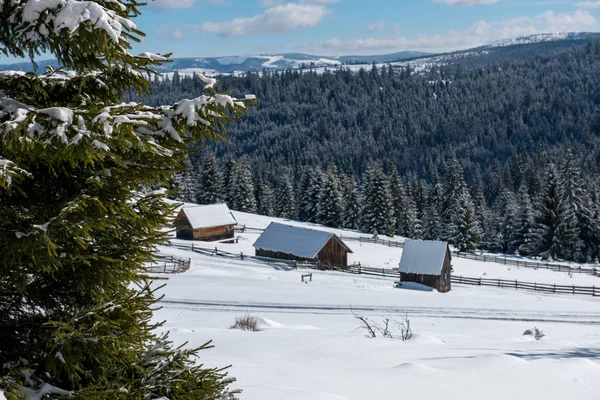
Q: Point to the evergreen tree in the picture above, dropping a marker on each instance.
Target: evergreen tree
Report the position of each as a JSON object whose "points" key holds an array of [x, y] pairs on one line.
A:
{"points": [[312, 183], [229, 176], [466, 231], [331, 208], [527, 231], [549, 210], [185, 186], [351, 204], [75, 305], [432, 220], [264, 196], [210, 183], [377, 211], [285, 206], [398, 202], [243, 197]]}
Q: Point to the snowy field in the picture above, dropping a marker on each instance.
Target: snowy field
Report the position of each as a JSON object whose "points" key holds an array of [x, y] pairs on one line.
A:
{"points": [[467, 343]]}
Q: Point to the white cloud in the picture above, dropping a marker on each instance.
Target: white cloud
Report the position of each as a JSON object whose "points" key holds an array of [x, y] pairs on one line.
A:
{"points": [[589, 4], [375, 27], [478, 34], [281, 18], [171, 4], [272, 3], [465, 3]]}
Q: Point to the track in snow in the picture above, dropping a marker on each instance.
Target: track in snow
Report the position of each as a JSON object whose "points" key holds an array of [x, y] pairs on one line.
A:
{"points": [[458, 313]]}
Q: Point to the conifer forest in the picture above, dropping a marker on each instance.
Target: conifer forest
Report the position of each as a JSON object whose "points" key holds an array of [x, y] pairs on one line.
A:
{"points": [[504, 157]]}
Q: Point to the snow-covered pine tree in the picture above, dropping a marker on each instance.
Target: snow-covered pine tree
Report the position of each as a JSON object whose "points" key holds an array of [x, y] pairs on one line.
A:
{"points": [[577, 201], [75, 306], [331, 208], [432, 220], [414, 228], [466, 228], [311, 185], [243, 197], [549, 208], [527, 230], [264, 196], [285, 205], [210, 181], [398, 202], [229, 174], [351, 204], [377, 210], [566, 243], [453, 190], [185, 185]]}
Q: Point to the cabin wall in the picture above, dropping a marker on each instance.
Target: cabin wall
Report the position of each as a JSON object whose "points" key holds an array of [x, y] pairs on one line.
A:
{"points": [[333, 253], [279, 255], [427, 280], [445, 281], [216, 233]]}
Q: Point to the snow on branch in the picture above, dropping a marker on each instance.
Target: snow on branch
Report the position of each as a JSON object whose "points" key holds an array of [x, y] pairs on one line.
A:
{"points": [[9, 171], [48, 16]]}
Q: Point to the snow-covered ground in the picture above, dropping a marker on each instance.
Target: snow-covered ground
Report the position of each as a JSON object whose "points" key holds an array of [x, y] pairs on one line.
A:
{"points": [[467, 343]]}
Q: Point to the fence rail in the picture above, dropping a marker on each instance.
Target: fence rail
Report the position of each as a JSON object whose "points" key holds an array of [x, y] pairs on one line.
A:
{"points": [[394, 273], [500, 283], [168, 264], [595, 271]]}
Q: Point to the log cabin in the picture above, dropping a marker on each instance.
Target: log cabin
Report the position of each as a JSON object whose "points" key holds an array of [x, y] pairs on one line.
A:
{"points": [[426, 262], [288, 242], [205, 222]]}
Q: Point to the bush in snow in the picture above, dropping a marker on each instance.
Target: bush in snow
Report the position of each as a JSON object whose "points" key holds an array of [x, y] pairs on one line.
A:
{"points": [[247, 323], [74, 235], [384, 329]]}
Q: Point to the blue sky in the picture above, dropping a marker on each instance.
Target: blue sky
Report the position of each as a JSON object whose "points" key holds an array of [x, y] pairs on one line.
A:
{"points": [[205, 28], [334, 27]]}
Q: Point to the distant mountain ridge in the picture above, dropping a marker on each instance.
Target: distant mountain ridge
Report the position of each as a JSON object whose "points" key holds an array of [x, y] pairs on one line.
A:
{"points": [[506, 49]]}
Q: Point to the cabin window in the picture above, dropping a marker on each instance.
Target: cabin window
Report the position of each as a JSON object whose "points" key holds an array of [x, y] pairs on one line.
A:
{"points": [[201, 231]]}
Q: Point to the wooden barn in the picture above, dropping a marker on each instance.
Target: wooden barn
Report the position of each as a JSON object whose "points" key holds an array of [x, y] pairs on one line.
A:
{"points": [[302, 244], [426, 262], [204, 222]]}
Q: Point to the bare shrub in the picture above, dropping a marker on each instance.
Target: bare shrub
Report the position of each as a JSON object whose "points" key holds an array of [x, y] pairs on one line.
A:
{"points": [[535, 332], [373, 328], [404, 328], [247, 323]]}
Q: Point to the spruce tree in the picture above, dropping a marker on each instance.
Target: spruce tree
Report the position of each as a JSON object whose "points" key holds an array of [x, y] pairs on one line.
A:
{"points": [[243, 197], [351, 204], [549, 208], [185, 185], [331, 209], [210, 181], [432, 220], [527, 231], [264, 196], [285, 206], [377, 211], [466, 230], [75, 305], [229, 175]]}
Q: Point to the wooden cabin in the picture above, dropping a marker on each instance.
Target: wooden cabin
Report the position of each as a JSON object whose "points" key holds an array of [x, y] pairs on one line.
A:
{"points": [[288, 242], [204, 222], [426, 262]]}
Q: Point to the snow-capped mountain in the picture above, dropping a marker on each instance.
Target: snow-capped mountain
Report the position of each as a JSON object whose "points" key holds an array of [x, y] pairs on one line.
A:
{"points": [[498, 51], [545, 37]]}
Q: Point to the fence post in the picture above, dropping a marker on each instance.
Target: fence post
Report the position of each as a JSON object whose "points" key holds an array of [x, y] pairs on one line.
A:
{"points": [[165, 268], [479, 281], [242, 255], [594, 290], [554, 289], [216, 251], [499, 285], [192, 246], [382, 272], [516, 284], [573, 289], [535, 286]]}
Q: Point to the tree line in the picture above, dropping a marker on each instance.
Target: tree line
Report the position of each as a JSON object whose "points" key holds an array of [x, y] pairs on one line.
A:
{"points": [[552, 215]]}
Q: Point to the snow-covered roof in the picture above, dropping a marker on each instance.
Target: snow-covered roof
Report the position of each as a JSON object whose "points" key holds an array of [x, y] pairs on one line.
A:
{"points": [[301, 242], [208, 216], [424, 257]]}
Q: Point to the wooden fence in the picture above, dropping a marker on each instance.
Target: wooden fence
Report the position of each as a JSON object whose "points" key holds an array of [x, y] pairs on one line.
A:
{"points": [[595, 271], [168, 265], [500, 283], [394, 273]]}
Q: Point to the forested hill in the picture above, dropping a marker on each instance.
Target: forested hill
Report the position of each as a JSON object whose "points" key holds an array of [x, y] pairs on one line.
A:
{"points": [[500, 120], [504, 158]]}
